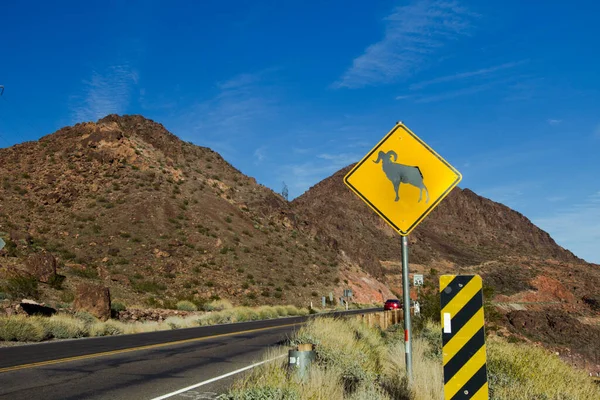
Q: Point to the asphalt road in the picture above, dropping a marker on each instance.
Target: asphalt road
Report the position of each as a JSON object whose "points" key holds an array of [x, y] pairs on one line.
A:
{"points": [[141, 366], [144, 374]]}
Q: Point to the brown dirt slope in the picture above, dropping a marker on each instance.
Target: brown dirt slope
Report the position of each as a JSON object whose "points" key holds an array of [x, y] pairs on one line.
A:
{"points": [[124, 201]]}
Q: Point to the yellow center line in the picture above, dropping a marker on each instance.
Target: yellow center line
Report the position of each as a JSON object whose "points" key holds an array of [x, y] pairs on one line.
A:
{"points": [[150, 346]]}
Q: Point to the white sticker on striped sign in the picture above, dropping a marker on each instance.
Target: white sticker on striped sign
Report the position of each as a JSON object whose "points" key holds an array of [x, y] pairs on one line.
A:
{"points": [[447, 323]]}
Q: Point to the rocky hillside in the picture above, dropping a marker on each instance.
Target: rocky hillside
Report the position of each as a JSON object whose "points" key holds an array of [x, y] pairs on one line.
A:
{"points": [[536, 290], [157, 219], [465, 229]]}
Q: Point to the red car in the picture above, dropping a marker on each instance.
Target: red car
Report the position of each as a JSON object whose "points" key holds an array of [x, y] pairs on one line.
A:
{"points": [[392, 304]]}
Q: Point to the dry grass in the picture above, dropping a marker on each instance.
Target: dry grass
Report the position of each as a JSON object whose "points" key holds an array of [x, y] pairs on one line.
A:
{"points": [[523, 372], [22, 329], [358, 363], [348, 366], [428, 380], [62, 326]]}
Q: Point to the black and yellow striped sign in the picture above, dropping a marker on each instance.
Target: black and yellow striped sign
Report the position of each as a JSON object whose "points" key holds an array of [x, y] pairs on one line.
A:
{"points": [[463, 337]]}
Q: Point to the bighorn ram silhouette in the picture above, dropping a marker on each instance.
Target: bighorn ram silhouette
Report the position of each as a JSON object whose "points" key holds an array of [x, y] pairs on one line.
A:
{"points": [[400, 173]]}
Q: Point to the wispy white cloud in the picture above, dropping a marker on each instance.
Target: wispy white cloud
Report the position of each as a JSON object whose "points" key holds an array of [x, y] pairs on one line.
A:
{"points": [[259, 153], [402, 97], [340, 159], [576, 227], [107, 92], [239, 109], [509, 194], [412, 34], [554, 121], [484, 72], [301, 176]]}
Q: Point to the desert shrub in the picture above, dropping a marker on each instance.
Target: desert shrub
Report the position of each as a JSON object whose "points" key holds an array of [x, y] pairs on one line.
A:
{"points": [[56, 281], [22, 329], [246, 314], [185, 305], [67, 296], [86, 317], [19, 286], [292, 310], [148, 286], [267, 312], [89, 273], [219, 305], [117, 306], [108, 328], [303, 312], [65, 327], [281, 311]]}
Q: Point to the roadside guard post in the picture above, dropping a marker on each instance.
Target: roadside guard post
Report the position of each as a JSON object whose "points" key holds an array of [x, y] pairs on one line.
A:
{"points": [[402, 179], [463, 337], [299, 360]]}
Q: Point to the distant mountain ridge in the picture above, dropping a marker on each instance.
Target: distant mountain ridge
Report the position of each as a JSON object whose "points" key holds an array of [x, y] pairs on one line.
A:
{"points": [[465, 229], [125, 201]]}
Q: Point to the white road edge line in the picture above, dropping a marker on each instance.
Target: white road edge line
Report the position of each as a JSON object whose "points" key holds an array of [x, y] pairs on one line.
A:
{"points": [[237, 371]]}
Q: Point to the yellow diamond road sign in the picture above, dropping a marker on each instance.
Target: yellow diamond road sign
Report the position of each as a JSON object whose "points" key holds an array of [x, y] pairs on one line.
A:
{"points": [[402, 179]]}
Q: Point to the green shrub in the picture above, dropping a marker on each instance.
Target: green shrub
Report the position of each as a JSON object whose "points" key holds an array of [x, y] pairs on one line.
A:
{"points": [[22, 329], [266, 312], [56, 281], [86, 317], [89, 272], [67, 296], [65, 327], [117, 306], [185, 305], [281, 310], [108, 328], [245, 314], [19, 286]]}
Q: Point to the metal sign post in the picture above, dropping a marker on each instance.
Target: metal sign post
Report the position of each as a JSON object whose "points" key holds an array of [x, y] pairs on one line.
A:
{"points": [[402, 179], [406, 308]]}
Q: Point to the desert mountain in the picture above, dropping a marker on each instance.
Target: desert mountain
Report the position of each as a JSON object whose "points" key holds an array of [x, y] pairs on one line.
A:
{"points": [[465, 229], [124, 201]]}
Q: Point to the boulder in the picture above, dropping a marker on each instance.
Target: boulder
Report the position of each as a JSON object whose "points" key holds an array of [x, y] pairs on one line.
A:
{"points": [[34, 308], [94, 299], [42, 266]]}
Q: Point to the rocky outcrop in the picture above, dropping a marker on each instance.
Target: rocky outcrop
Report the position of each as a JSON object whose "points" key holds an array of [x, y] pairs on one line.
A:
{"points": [[94, 299], [42, 266], [34, 308]]}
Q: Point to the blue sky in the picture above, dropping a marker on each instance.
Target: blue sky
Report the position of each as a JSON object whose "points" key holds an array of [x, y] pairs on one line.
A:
{"points": [[294, 90]]}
